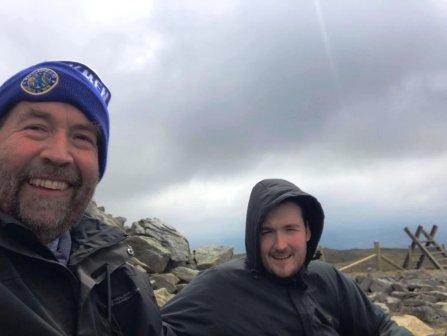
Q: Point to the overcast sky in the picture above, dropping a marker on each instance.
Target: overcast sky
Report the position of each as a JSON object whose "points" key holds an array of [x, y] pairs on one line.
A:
{"points": [[347, 99]]}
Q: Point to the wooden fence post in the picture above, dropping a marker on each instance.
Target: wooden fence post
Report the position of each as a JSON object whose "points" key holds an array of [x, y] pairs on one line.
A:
{"points": [[323, 257], [378, 257]]}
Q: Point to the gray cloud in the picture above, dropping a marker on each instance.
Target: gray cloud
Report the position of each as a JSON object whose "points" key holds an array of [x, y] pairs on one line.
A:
{"points": [[211, 92], [228, 89]]}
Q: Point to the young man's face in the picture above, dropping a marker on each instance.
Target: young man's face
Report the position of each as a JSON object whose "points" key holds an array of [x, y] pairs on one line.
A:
{"points": [[283, 240], [48, 166]]}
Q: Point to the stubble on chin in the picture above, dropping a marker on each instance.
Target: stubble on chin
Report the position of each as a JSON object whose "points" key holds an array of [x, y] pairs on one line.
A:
{"points": [[48, 218]]}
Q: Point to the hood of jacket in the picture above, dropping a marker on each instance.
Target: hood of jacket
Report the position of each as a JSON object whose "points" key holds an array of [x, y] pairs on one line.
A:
{"points": [[267, 194]]}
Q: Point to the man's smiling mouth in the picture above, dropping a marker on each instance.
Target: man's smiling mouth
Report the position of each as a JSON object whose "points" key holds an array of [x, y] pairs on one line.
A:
{"points": [[49, 184], [281, 257]]}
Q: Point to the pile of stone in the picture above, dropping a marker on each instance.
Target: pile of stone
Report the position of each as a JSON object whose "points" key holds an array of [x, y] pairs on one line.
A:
{"points": [[162, 252], [99, 212], [419, 293], [165, 255]]}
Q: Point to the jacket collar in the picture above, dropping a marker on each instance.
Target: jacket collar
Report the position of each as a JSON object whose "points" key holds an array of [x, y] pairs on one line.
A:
{"points": [[17, 237], [88, 236]]}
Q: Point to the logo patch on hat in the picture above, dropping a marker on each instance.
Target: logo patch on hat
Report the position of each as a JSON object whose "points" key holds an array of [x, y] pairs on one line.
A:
{"points": [[40, 81]]}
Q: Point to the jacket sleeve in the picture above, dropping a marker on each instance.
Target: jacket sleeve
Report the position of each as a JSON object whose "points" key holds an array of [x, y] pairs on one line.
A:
{"points": [[358, 315]]}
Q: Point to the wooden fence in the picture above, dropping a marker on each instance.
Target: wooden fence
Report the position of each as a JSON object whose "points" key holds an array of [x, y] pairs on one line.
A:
{"points": [[377, 256]]}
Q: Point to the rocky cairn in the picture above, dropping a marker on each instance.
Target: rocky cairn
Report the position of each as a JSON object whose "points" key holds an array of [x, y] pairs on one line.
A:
{"points": [[164, 253]]}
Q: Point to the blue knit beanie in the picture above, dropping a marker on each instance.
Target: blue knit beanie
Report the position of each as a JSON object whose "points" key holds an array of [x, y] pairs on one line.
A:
{"points": [[62, 81]]}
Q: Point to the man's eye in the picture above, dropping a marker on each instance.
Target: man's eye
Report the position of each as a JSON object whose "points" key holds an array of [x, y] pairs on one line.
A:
{"points": [[35, 128], [264, 232], [85, 138], [35, 131]]}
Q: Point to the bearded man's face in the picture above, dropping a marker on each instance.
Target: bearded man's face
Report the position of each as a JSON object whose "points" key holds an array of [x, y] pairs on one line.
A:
{"points": [[48, 166]]}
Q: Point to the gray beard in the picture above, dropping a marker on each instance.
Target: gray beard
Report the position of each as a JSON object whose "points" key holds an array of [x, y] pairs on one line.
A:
{"points": [[33, 213], [47, 218]]}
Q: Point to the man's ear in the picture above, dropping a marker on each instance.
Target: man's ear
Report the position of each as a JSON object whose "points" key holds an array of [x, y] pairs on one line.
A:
{"points": [[308, 232]]}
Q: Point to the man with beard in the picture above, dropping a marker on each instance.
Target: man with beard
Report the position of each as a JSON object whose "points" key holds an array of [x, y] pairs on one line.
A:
{"points": [[61, 271], [277, 290]]}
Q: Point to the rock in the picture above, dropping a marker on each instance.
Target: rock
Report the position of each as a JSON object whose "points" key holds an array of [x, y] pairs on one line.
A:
{"points": [[359, 278], [438, 296], [442, 306], [99, 213], [184, 273], [393, 303], [427, 314], [383, 306], [141, 269], [365, 283], [381, 285], [425, 288], [150, 252], [412, 323], [171, 278], [208, 256], [167, 236], [414, 302], [377, 297], [158, 281], [120, 220], [414, 284], [140, 265], [399, 287], [162, 296], [440, 289], [427, 297], [403, 295]]}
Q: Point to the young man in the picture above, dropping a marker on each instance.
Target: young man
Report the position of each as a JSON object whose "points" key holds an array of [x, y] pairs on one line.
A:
{"points": [[61, 272], [277, 290]]}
